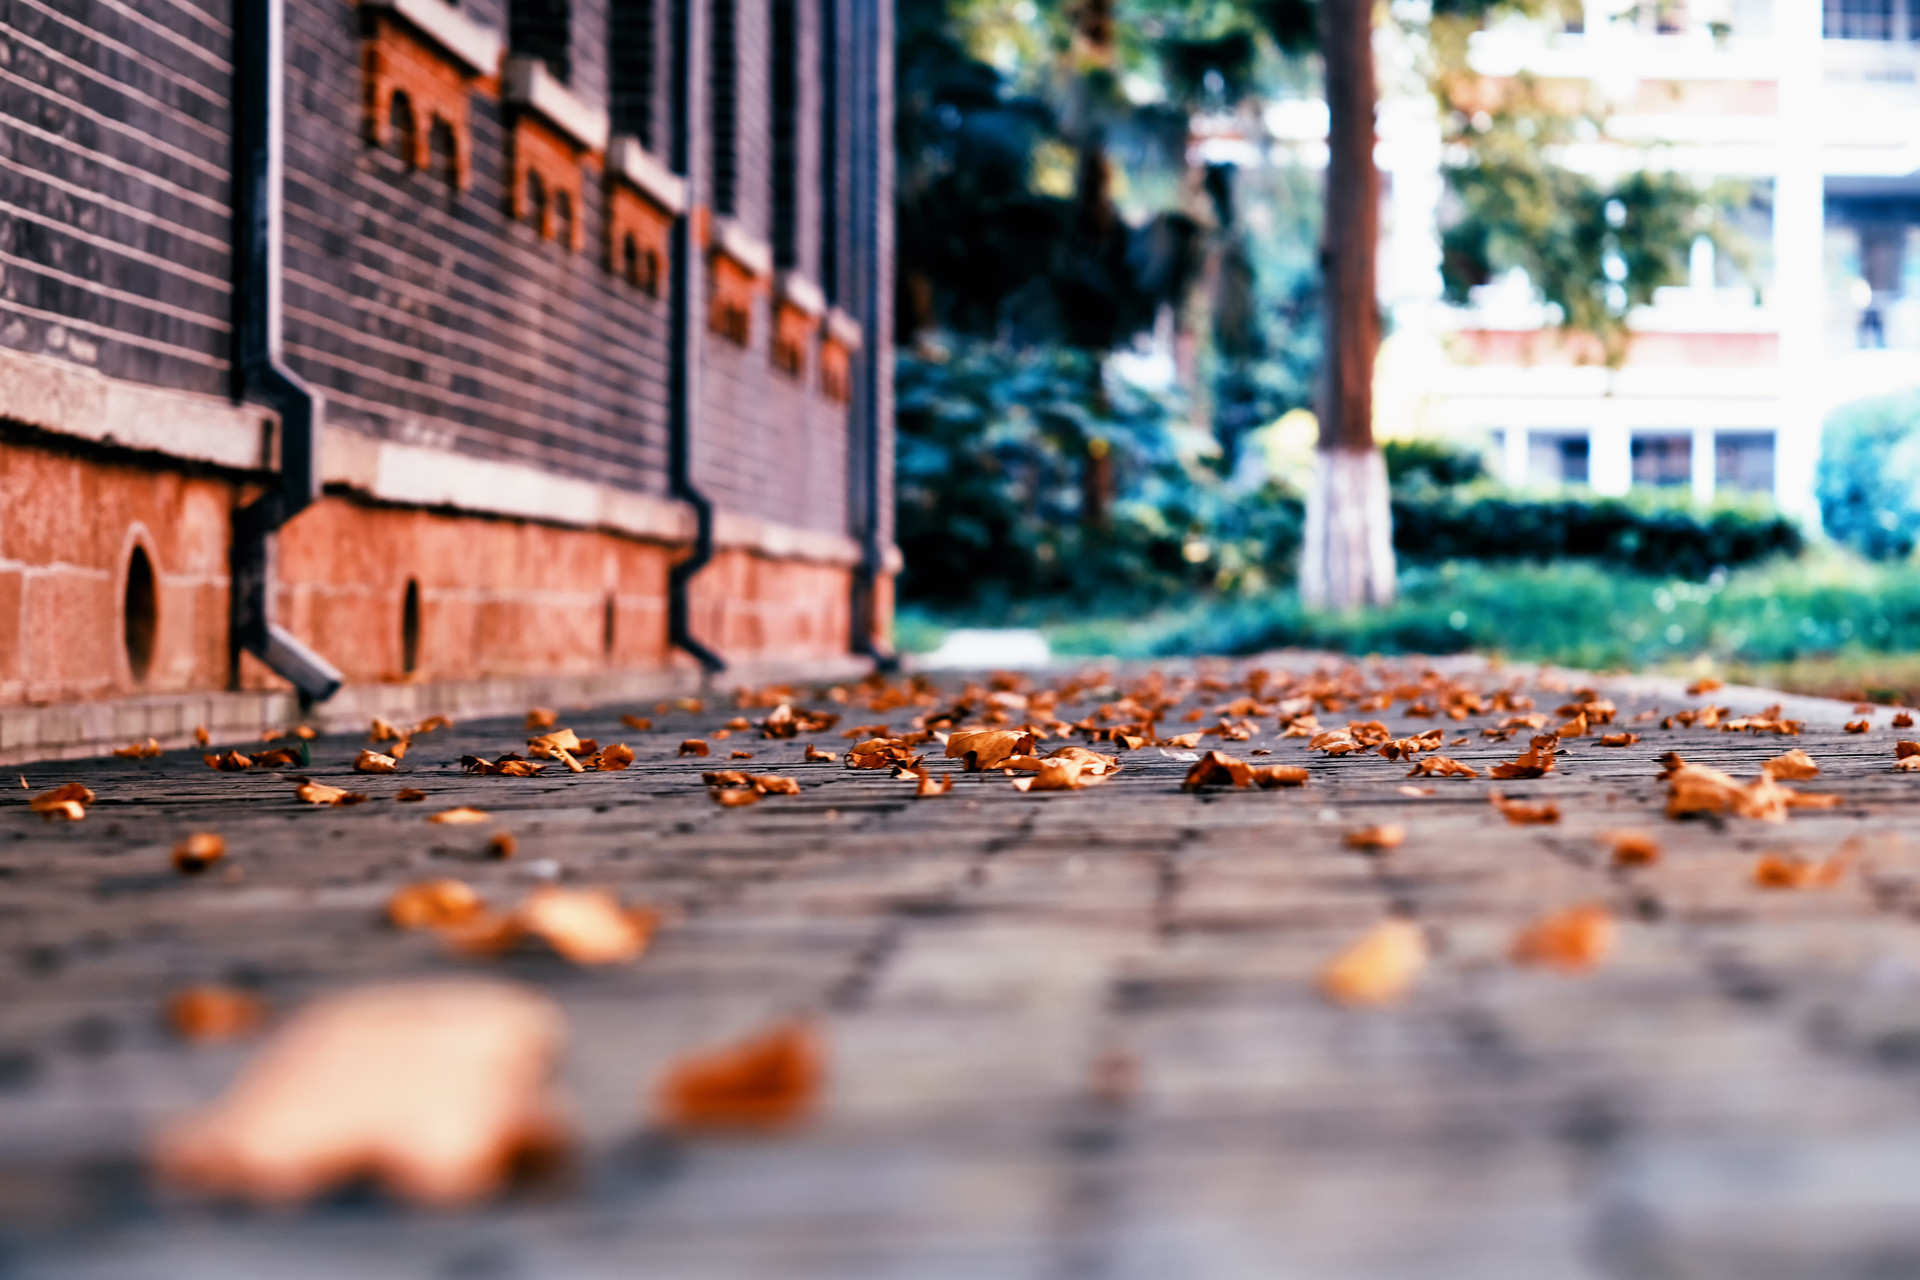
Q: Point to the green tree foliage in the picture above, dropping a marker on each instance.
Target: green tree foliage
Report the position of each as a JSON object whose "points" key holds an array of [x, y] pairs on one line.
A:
{"points": [[1031, 474], [1868, 482]]}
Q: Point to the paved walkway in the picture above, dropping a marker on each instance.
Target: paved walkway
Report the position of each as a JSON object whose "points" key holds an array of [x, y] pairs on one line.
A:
{"points": [[1070, 1034]]}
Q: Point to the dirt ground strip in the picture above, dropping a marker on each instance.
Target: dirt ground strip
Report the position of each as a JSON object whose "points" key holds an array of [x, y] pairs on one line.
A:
{"points": [[1734, 1092]]}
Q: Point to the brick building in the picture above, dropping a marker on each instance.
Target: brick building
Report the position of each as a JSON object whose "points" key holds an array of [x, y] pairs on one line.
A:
{"points": [[406, 342]]}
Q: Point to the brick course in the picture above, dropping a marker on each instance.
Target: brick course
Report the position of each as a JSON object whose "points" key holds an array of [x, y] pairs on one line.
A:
{"points": [[425, 315]]}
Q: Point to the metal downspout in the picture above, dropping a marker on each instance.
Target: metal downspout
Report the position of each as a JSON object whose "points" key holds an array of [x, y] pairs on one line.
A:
{"points": [[866, 195], [681, 368], [258, 374]]}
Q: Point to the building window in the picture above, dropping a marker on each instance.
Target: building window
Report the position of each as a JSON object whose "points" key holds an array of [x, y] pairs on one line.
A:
{"points": [[1863, 19], [543, 29], [724, 77], [1663, 460], [631, 50], [1558, 457], [786, 132], [1743, 460]]}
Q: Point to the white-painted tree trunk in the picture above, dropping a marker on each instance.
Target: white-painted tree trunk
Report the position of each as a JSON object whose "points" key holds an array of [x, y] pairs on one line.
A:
{"points": [[1347, 558]]}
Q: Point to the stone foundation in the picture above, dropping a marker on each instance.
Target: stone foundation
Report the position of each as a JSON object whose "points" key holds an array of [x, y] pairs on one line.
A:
{"points": [[388, 593]]}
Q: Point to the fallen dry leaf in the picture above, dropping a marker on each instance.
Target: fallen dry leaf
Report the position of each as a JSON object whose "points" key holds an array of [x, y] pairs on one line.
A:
{"points": [[1907, 764], [815, 755], [433, 1089], [1704, 685], [1787, 871], [465, 814], [209, 1012], [1416, 792], [767, 1083], [1218, 769], [542, 718], [198, 852], [728, 798], [1695, 788], [639, 724], [1378, 967], [502, 845], [67, 802], [881, 753], [1571, 940], [508, 766], [1618, 739], [1378, 838], [1793, 766], [321, 793], [928, 785], [1903, 750], [228, 762], [432, 724], [587, 926], [695, 747], [982, 749], [369, 761], [1522, 814], [548, 745], [201, 736], [409, 794], [1859, 726], [1633, 848], [1536, 761], [434, 904], [139, 750], [1903, 720], [381, 731], [1442, 767], [614, 759]]}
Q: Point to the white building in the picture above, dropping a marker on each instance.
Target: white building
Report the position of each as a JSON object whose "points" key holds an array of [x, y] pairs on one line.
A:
{"points": [[1726, 384]]}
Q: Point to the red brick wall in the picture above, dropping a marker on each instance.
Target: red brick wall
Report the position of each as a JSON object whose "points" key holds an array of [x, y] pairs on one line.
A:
{"points": [[66, 536], [497, 597]]}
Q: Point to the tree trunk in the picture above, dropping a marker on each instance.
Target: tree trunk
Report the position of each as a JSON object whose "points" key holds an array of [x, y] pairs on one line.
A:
{"points": [[1347, 559]]}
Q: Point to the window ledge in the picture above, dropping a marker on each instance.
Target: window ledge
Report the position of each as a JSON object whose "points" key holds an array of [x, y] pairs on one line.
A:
{"points": [[639, 168], [472, 44], [749, 252], [844, 329], [794, 290], [529, 84]]}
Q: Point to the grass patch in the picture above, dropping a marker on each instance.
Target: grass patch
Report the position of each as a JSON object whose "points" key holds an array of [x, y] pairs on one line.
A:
{"points": [[1826, 620]]}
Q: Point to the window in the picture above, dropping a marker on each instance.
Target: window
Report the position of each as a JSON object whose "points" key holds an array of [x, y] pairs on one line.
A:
{"points": [[1663, 460], [786, 132], [1743, 460], [543, 29], [631, 49], [1859, 19], [723, 77], [1557, 457]]}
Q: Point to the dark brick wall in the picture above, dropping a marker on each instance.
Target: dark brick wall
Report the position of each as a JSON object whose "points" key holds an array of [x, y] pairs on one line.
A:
{"points": [[114, 186], [423, 313]]}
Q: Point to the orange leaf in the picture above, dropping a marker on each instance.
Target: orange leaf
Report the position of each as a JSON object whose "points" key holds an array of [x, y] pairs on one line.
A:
{"points": [[198, 852], [1792, 766], [1377, 838], [434, 904], [1522, 814], [369, 761], [770, 1082], [436, 1089], [1633, 848], [1377, 968], [213, 1012], [694, 747], [1571, 940]]}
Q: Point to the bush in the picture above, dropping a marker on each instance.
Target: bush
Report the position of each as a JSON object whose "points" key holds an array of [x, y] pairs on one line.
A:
{"points": [[1869, 476], [1032, 475], [1420, 464], [1687, 543], [1584, 615]]}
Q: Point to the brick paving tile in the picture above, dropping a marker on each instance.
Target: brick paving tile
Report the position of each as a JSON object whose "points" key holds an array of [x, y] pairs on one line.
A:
{"points": [[1734, 1092]]}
